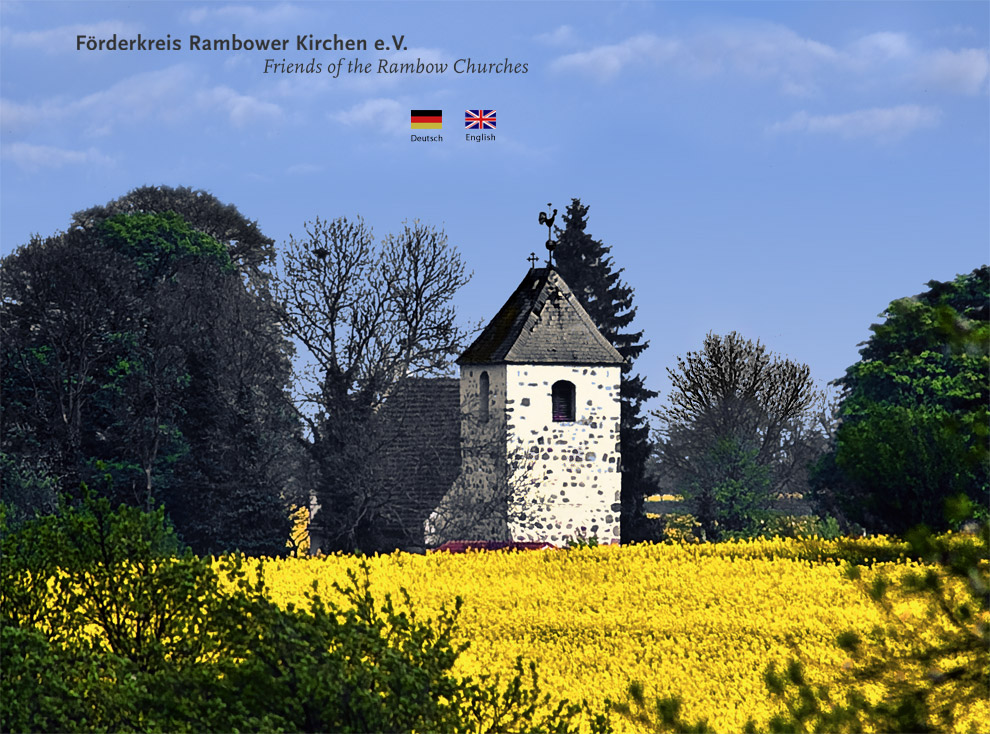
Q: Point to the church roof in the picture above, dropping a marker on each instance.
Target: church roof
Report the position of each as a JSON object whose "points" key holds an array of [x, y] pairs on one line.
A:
{"points": [[541, 323], [421, 454]]}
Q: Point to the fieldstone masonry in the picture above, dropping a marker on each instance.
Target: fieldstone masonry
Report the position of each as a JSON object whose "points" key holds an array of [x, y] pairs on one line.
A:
{"points": [[527, 474], [576, 464]]}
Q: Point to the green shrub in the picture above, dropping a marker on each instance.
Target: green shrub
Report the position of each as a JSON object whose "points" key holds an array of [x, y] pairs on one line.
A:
{"points": [[801, 526], [107, 625], [732, 498]]}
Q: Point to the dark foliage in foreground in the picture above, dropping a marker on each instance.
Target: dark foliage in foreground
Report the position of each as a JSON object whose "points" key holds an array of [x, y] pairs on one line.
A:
{"points": [[107, 626]]}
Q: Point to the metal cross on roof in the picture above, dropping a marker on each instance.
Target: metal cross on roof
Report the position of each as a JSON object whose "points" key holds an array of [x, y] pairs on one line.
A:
{"points": [[532, 260]]}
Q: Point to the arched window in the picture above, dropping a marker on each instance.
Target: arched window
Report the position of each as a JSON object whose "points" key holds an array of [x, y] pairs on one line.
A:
{"points": [[483, 390], [563, 401]]}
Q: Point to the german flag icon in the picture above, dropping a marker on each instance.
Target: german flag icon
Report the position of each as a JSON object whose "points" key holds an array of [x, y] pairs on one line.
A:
{"points": [[426, 119]]}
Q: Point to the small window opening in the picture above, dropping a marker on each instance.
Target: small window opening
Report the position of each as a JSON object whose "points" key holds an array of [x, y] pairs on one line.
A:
{"points": [[483, 397], [563, 401]]}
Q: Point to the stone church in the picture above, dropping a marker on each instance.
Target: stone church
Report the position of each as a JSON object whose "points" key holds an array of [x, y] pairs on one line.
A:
{"points": [[524, 446], [539, 426]]}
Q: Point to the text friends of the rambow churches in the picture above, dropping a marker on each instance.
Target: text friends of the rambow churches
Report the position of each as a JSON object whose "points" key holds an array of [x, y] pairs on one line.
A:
{"points": [[356, 66]]}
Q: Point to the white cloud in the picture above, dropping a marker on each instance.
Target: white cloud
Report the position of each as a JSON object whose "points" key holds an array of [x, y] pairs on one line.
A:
{"points": [[35, 157], [15, 116], [604, 62], [381, 113], [303, 169], [242, 109], [880, 47], [254, 15], [800, 66], [957, 30], [163, 94], [63, 38], [561, 36], [963, 71], [758, 50], [883, 124], [157, 93], [798, 89]]}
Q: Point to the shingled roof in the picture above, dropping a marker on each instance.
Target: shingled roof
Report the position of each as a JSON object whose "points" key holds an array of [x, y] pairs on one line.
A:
{"points": [[541, 323], [422, 455]]}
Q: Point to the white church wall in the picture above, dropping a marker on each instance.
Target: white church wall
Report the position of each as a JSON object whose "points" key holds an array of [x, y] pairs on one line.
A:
{"points": [[526, 477], [572, 477]]}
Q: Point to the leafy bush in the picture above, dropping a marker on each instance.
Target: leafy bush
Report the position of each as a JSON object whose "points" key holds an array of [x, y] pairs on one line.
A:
{"points": [[801, 526], [902, 463], [580, 540], [108, 625]]}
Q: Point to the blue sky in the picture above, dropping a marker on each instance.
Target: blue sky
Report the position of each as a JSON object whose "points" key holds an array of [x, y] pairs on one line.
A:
{"points": [[779, 169]]}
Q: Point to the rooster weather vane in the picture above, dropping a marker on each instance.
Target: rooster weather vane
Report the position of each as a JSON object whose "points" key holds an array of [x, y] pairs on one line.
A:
{"points": [[547, 219]]}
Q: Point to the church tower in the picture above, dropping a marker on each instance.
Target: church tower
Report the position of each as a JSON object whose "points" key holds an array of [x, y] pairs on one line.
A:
{"points": [[539, 403]]}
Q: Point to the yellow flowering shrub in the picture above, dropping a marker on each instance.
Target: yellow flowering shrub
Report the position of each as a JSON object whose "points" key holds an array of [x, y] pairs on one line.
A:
{"points": [[698, 621]]}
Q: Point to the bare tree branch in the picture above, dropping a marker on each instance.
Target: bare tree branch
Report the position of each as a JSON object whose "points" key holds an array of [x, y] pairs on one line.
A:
{"points": [[733, 388], [370, 313]]}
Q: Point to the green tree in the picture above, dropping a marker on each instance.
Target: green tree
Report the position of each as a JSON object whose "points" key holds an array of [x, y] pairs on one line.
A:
{"points": [[732, 490], [914, 412], [70, 307], [587, 267], [738, 429], [249, 249], [245, 457], [132, 341]]}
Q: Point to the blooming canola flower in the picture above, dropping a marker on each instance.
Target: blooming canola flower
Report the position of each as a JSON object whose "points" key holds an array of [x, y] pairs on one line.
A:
{"points": [[697, 621]]}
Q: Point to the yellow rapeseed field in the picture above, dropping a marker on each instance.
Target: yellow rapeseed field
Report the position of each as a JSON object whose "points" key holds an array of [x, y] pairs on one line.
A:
{"points": [[698, 621]]}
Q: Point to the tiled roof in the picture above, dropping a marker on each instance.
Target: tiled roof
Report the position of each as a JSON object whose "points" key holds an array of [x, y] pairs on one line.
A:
{"points": [[541, 323], [422, 457]]}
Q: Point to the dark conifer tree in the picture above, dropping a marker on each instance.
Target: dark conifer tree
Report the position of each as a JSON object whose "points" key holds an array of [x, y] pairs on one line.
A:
{"points": [[587, 267]]}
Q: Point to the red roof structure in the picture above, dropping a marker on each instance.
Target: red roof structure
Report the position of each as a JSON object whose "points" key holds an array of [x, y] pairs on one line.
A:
{"points": [[464, 546]]}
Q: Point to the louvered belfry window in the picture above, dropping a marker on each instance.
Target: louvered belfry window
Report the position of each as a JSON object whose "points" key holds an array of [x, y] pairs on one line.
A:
{"points": [[483, 396], [563, 401]]}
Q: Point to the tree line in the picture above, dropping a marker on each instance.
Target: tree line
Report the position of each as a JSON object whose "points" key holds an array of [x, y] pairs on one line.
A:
{"points": [[907, 435], [147, 365], [148, 353]]}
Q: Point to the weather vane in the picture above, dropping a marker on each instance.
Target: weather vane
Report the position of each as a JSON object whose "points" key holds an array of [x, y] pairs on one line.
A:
{"points": [[547, 219]]}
